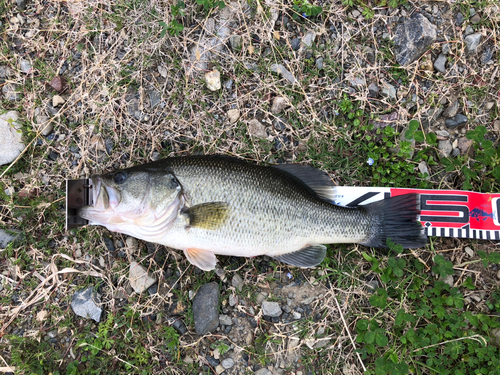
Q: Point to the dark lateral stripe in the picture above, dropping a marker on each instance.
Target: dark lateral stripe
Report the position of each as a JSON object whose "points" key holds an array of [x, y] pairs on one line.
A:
{"points": [[497, 233], [473, 233], [442, 232], [488, 235], [434, 232]]}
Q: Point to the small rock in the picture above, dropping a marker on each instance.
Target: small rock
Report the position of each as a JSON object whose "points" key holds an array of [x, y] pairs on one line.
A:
{"points": [[237, 282], [11, 144], [236, 42], [233, 115], [108, 242], [154, 98], [321, 343], [21, 4], [249, 339], [7, 236], [180, 327], [216, 353], [445, 48], [488, 106], [296, 315], [57, 100], [10, 92], [498, 274], [233, 300], [459, 20], [487, 55], [25, 66], [422, 167], [495, 333], [279, 124], [109, 144], [251, 66], [260, 297], [357, 82], [132, 243], [263, 371], [308, 300], [496, 126], [86, 303], [469, 251], [445, 148], [206, 308], [465, 146], [5, 72], [452, 110], [163, 71], [43, 123], [296, 44], [225, 320], [219, 369], [475, 19], [319, 63], [280, 69], [440, 63], [309, 39], [432, 115], [139, 278], [442, 135], [213, 80], [472, 42], [256, 129], [355, 13], [271, 309], [389, 119], [448, 280], [228, 363], [373, 90], [455, 121], [455, 152], [388, 91], [279, 104], [412, 38]]}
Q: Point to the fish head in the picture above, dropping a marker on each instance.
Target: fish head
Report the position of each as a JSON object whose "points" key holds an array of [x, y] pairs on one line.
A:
{"points": [[134, 201]]}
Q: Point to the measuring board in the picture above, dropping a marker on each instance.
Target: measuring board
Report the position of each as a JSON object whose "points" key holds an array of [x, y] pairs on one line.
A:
{"points": [[444, 213]]}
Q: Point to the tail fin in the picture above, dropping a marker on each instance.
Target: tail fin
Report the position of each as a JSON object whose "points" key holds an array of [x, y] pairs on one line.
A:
{"points": [[396, 218]]}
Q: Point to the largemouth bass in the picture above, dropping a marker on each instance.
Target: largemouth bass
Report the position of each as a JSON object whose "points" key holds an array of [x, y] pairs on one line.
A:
{"points": [[208, 205]]}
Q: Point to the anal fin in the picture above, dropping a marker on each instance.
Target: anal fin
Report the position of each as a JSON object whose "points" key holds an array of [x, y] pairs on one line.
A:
{"points": [[308, 256], [202, 259]]}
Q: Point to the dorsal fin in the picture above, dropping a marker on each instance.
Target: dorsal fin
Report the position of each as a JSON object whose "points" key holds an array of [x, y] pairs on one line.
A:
{"points": [[319, 181]]}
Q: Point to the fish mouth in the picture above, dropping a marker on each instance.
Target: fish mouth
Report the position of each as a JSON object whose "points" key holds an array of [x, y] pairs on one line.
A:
{"points": [[104, 198]]}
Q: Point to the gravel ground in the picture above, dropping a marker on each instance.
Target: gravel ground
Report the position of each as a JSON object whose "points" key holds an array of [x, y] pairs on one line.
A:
{"points": [[88, 87]]}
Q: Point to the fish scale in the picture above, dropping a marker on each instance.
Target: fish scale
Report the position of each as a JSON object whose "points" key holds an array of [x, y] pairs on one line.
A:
{"points": [[227, 206]]}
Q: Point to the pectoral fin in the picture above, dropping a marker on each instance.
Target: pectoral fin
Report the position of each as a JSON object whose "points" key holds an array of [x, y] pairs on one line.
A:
{"points": [[208, 215], [309, 256], [202, 259]]}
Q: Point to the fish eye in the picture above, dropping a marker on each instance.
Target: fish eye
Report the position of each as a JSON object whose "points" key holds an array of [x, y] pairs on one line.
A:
{"points": [[119, 177]]}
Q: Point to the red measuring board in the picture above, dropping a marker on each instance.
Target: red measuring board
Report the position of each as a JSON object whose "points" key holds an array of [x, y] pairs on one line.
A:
{"points": [[444, 213]]}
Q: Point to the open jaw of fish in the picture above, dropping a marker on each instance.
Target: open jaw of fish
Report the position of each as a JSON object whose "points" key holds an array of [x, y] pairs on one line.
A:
{"points": [[208, 205]]}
